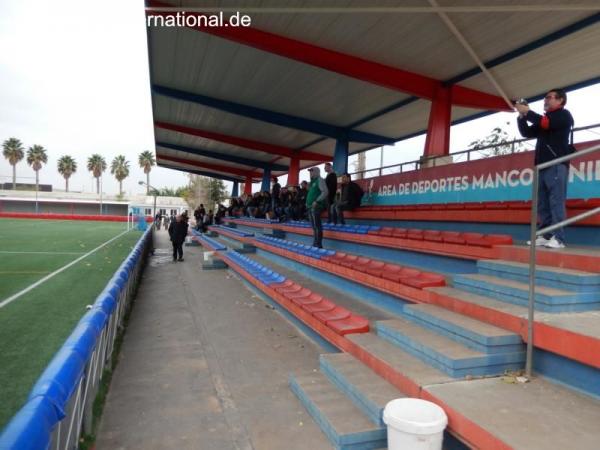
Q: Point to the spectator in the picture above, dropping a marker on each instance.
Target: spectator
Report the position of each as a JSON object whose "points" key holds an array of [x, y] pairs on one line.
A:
{"points": [[350, 198], [300, 205], [552, 132], [157, 220], [275, 191], [316, 202], [331, 182], [177, 233]]}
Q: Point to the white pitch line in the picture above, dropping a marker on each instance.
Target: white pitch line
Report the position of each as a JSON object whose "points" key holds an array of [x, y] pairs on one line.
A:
{"points": [[6, 252], [56, 272]]}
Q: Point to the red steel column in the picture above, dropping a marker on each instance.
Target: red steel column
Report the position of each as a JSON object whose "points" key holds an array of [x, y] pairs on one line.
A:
{"points": [[437, 141], [294, 173], [248, 186]]}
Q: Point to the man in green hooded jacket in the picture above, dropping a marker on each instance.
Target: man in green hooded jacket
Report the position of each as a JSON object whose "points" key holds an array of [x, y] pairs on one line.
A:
{"points": [[316, 202]]}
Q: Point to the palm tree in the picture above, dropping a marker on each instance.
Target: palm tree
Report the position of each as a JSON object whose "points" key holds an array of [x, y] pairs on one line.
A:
{"points": [[120, 169], [12, 149], [146, 161], [36, 156], [96, 164], [67, 166]]}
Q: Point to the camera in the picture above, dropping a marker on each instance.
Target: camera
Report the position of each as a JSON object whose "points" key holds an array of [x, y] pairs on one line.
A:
{"points": [[521, 101]]}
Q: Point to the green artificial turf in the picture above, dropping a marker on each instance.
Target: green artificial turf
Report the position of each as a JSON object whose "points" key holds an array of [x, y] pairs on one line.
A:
{"points": [[33, 327]]}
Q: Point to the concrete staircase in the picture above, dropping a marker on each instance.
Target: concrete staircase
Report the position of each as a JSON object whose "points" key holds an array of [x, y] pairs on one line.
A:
{"points": [[557, 290]]}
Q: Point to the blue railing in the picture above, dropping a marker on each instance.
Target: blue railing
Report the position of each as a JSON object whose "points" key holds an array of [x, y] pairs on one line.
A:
{"points": [[59, 406]]}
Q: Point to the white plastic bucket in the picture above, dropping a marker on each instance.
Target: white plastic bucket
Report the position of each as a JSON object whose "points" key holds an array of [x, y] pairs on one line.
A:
{"points": [[414, 424]]}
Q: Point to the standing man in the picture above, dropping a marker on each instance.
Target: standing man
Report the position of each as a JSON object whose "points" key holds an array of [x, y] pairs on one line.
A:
{"points": [[552, 131], [177, 232], [331, 182], [316, 202]]}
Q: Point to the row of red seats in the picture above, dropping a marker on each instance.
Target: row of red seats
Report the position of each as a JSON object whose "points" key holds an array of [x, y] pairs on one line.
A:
{"points": [[339, 319], [453, 237], [394, 272], [514, 204]]}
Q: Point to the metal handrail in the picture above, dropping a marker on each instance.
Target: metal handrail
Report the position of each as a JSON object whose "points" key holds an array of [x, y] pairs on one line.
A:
{"points": [[468, 152], [534, 235]]}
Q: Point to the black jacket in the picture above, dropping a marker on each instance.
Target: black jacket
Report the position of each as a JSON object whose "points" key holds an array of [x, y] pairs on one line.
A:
{"points": [[331, 182], [352, 193], [178, 231], [552, 143]]}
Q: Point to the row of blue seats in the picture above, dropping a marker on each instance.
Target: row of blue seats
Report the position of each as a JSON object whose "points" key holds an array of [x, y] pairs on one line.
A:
{"points": [[257, 270], [233, 230], [215, 245], [307, 250], [32, 426], [357, 229]]}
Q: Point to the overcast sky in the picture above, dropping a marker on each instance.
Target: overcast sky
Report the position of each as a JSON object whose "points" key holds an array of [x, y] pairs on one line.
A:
{"points": [[74, 79]]}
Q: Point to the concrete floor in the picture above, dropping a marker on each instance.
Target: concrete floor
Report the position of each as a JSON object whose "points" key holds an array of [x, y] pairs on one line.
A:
{"points": [[205, 365]]}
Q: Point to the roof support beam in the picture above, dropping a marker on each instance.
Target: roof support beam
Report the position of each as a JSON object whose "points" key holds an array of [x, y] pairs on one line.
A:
{"points": [[275, 118], [200, 172], [217, 167], [344, 64], [243, 142], [223, 156]]}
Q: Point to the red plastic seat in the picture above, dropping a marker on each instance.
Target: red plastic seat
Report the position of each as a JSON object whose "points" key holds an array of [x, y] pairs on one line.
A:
{"points": [[391, 271], [308, 300], [302, 293], [352, 324], [361, 264], [399, 233], [403, 274], [336, 313], [453, 237], [474, 239], [283, 284], [386, 231], [348, 261], [375, 268], [498, 239], [323, 305], [294, 287], [415, 233], [432, 235], [425, 280]]}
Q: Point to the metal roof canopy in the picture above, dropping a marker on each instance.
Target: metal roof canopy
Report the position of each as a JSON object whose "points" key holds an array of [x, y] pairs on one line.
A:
{"points": [[234, 102]]}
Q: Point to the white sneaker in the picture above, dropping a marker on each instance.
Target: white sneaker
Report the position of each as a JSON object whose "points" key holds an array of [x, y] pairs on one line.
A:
{"points": [[541, 241], [554, 243]]}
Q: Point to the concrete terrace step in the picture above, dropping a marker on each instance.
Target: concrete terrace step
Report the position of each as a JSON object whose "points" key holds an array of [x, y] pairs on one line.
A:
{"points": [[546, 298], [403, 362], [445, 354], [473, 333], [364, 387], [346, 426], [556, 277]]}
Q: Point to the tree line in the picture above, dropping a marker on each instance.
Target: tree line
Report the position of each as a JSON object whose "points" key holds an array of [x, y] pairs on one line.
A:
{"points": [[14, 151]]}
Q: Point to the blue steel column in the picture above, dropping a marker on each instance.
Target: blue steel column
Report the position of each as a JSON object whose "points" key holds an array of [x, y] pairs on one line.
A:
{"points": [[266, 181], [340, 157], [235, 190]]}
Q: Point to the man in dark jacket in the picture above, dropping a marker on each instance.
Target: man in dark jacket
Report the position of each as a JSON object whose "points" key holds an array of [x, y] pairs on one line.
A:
{"points": [[316, 201], [552, 131], [331, 182], [350, 198], [177, 232]]}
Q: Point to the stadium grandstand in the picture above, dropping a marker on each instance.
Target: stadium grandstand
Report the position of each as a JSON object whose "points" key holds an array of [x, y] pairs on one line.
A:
{"points": [[262, 340]]}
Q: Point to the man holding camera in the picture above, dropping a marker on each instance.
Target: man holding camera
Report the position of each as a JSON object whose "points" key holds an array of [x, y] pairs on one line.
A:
{"points": [[552, 131]]}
